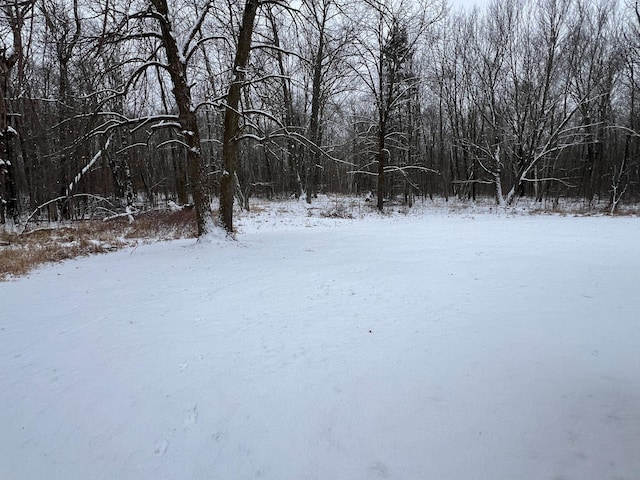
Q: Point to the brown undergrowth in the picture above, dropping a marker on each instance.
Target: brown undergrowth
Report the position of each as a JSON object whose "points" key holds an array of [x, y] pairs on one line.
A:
{"points": [[42, 244]]}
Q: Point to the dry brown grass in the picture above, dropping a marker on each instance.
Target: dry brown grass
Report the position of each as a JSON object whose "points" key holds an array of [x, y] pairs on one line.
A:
{"points": [[341, 208], [163, 225], [21, 253]]}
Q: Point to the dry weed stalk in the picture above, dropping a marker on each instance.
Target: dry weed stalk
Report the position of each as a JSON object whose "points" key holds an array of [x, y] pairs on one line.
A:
{"points": [[21, 253]]}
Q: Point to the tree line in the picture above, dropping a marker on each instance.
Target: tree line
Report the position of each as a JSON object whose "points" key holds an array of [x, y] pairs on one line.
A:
{"points": [[109, 107]]}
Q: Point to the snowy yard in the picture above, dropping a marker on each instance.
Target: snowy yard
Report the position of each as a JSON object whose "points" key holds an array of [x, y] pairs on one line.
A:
{"points": [[422, 347]]}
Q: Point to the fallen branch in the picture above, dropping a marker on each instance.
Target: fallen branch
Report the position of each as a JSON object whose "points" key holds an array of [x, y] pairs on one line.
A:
{"points": [[129, 213]]}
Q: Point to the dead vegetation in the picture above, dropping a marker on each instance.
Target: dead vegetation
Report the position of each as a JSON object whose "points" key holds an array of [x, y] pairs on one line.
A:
{"points": [[21, 253], [341, 208]]}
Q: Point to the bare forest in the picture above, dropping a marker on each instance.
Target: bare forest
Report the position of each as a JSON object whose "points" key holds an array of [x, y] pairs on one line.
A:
{"points": [[115, 107]]}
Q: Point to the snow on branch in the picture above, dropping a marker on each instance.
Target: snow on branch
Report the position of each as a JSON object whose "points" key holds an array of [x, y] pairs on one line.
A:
{"points": [[199, 43], [186, 53], [128, 213], [630, 131], [87, 167], [403, 169], [164, 121], [393, 168], [301, 139], [117, 120], [549, 179], [137, 73], [165, 124], [129, 147], [173, 141], [362, 172], [476, 181], [216, 102]]}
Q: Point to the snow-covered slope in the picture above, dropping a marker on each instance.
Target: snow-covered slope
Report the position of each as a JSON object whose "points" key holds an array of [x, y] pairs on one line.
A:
{"points": [[420, 347]]}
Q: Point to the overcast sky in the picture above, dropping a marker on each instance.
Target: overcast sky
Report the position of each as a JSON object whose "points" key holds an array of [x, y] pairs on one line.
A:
{"points": [[467, 3]]}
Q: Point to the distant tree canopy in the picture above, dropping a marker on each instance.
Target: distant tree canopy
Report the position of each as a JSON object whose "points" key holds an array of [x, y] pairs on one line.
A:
{"points": [[121, 104]]}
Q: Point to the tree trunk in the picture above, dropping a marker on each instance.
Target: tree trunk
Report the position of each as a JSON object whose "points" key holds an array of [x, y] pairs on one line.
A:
{"points": [[381, 153], [188, 122], [497, 178], [8, 194], [232, 115], [312, 170], [292, 150]]}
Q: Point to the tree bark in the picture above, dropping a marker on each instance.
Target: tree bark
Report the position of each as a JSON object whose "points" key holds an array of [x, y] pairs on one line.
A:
{"points": [[188, 121], [381, 162], [312, 170], [232, 115], [8, 192], [292, 148]]}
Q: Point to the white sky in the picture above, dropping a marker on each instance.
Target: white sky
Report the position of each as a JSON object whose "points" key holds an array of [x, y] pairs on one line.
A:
{"points": [[467, 3]]}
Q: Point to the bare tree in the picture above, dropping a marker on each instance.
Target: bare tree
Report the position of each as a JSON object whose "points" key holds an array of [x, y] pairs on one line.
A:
{"points": [[595, 61], [8, 193], [12, 81], [538, 117], [170, 37], [232, 114], [389, 35], [327, 38]]}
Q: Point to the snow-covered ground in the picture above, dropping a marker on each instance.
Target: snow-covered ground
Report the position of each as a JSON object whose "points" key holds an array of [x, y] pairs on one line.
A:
{"points": [[423, 346]]}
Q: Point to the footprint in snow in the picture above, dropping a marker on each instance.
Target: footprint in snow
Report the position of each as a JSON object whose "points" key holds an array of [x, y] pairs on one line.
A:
{"points": [[379, 469], [191, 417], [161, 447]]}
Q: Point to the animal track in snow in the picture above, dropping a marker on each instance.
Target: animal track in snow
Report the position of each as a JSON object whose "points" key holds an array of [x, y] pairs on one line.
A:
{"points": [[161, 447], [191, 416], [380, 469]]}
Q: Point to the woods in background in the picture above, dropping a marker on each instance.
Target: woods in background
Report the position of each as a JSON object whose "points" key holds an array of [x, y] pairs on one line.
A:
{"points": [[115, 106]]}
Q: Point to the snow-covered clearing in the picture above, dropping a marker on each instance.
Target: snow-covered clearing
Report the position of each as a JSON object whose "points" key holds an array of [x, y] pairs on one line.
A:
{"points": [[432, 346]]}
